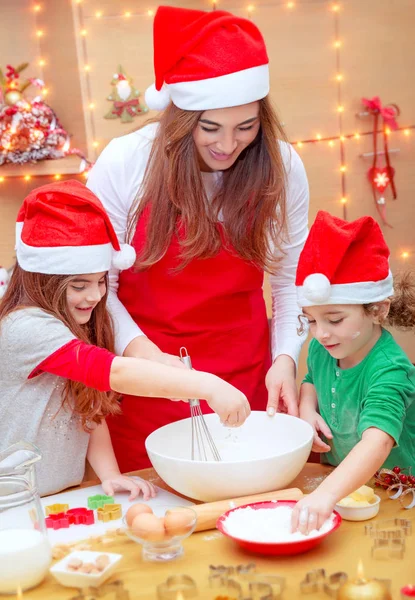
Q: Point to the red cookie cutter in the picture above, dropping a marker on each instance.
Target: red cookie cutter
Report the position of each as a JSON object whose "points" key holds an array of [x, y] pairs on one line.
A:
{"points": [[57, 521], [80, 516]]}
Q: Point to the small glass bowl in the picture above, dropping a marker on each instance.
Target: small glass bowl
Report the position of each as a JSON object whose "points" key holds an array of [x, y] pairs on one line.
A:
{"points": [[165, 543]]}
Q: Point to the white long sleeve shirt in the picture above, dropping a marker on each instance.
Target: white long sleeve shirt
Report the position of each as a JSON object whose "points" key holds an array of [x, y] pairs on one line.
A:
{"points": [[116, 179]]}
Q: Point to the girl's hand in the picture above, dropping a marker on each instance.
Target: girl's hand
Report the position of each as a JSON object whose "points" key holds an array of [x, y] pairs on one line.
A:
{"points": [[134, 485], [281, 386], [230, 404], [312, 511], [319, 426]]}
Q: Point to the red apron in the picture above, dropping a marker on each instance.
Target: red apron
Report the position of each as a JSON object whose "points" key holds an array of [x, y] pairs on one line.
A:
{"points": [[215, 308]]}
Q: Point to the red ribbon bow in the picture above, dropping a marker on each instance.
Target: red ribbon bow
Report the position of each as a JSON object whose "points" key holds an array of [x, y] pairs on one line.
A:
{"points": [[388, 113], [128, 106]]}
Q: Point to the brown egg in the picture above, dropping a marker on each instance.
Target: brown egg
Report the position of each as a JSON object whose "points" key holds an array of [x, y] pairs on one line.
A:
{"points": [[136, 509], [178, 522], [148, 527]]}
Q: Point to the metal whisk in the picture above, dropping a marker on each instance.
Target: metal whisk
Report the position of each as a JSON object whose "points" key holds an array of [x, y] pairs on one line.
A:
{"points": [[201, 436]]}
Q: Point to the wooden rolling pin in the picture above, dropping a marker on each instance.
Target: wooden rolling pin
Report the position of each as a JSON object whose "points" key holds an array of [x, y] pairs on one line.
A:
{"points": [[209, 513]]}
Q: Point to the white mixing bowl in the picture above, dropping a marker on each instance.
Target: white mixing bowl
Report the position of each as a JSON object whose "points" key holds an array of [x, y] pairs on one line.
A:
{"points": [[265, 454]]}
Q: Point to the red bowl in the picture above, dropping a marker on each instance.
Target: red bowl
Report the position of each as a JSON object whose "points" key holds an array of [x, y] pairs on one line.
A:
{"points": [[275, 548]]}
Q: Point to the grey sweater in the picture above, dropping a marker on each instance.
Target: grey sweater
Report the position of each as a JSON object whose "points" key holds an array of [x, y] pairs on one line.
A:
{"points": [[30, 409]]}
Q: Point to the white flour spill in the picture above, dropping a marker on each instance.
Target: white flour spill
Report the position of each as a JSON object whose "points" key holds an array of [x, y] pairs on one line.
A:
{"points": [[268, 525]]}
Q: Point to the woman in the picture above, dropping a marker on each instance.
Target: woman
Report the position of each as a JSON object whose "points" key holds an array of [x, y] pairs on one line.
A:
{"points": [[210, 200]]}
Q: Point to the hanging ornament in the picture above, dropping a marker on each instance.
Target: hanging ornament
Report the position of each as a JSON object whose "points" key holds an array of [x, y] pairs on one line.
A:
{"points": [[381, 177], [124, 97]]}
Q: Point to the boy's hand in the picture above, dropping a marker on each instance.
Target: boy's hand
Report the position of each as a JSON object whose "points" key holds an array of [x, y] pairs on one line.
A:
{"points": [[319, 426], [312, 511], [134, 485]]}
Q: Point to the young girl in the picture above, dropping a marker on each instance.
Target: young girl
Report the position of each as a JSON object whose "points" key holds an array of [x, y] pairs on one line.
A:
{"points": [[58, 373], [359, 392]]}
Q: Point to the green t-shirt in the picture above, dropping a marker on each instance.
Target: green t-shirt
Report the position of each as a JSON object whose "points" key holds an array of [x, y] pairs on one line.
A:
{"points": [[378, 392]]}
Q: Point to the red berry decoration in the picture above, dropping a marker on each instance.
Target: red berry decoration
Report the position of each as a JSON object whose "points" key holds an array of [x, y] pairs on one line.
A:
{"points": [[396, 470], [387, 480], [403, 478], [411, 480]]}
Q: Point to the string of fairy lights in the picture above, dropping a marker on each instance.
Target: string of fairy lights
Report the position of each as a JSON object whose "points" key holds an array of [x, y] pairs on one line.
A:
{"points": [[339, 140]]}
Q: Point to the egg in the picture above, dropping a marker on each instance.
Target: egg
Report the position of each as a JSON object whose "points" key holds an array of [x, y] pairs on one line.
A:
{"points": [[134, 510], [148, 527], [178, 523]]}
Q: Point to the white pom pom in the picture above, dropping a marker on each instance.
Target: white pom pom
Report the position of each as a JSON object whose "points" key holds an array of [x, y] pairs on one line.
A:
{"points": [[157, 100], [125, 258], [317, 288]]}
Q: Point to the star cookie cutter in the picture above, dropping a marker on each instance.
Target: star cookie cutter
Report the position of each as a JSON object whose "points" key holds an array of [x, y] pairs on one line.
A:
{"points": [[317, 581], [55, 509], [175, 585], [109, 512], [99, 500]]}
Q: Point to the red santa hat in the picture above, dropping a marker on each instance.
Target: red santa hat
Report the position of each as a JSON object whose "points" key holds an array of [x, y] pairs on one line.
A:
{"points": [[206, 60], [63, 229], [343, 263]]}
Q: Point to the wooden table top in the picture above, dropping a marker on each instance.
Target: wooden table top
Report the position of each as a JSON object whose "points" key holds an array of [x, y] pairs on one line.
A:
{"points": [[340, 551]]}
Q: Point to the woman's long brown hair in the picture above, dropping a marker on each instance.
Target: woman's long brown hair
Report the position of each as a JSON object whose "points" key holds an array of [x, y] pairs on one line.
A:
{"points": [[251, 198], [48, 292]]}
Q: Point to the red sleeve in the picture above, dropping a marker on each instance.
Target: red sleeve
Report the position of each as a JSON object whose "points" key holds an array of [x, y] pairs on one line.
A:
{"points": [[79, 361]]}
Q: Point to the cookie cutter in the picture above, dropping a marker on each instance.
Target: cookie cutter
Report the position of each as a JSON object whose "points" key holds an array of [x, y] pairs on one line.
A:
{"points": [[80, 516], [388, 548], [226, 586], [317, 581], [243, 582], [263, 582], [114, 590], [261, 591], [389, 529], [99, 500], [175, 585], [57, 521], [109, 512], [55, 509]]}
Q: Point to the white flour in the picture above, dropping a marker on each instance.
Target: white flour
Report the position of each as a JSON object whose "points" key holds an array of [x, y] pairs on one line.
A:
{"points": [[268, 525]]}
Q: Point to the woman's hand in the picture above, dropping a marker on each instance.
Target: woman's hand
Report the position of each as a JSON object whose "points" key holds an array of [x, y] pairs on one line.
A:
{"points": [[118, 482], [319, 426], [281, 386], [312, 511]]}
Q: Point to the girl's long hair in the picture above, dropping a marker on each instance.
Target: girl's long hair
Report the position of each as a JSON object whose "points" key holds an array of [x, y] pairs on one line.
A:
{"points": [[48, 292], [251, 199]]}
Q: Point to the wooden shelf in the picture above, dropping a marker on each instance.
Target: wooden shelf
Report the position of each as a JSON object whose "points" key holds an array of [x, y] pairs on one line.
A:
{"points": [[70, 165]]}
